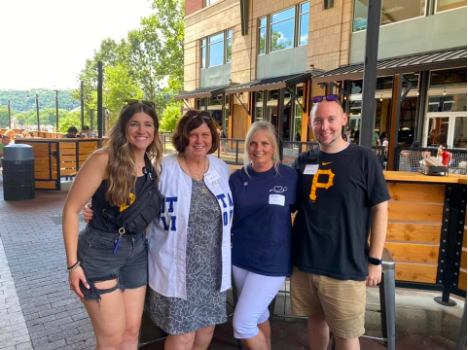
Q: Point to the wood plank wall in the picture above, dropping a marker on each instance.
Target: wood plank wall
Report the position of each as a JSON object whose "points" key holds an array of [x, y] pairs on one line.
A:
{"points": [[414, 229], [45, 161]]}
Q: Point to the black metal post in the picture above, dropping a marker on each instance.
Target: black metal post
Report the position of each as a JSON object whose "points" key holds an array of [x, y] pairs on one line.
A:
{"points": [[9, 115], [280, 114], [450, 249], [99, 100], [37, 114], [56, 111], [421, 110], [370, 73], [82, 103], [397, 119], [91, 119]]}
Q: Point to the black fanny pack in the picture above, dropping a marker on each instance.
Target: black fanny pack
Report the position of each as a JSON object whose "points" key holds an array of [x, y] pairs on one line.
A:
{"points": [[145, 209]]}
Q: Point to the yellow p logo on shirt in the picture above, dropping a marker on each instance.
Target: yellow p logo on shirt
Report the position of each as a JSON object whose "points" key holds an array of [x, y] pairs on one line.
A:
{"points": [[316, 184]]}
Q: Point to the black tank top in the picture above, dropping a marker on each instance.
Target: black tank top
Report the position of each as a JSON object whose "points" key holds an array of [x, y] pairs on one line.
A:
{"points": [[99, 202]]}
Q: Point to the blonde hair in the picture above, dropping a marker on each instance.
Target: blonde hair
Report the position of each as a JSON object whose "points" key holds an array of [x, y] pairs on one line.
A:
{"points": [[270, 132], [121, 167]]}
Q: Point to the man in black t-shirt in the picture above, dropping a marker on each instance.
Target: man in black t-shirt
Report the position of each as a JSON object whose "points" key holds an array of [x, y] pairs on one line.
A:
{"points": [[341, 197]]}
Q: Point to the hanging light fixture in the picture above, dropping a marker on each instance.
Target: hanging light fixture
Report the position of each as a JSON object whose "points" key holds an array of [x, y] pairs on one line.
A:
{"points": [[445, 92], [381, 97]]}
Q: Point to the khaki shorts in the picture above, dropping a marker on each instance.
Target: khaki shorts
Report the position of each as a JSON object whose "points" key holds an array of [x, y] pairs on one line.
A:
{"points": [[342, 302]]}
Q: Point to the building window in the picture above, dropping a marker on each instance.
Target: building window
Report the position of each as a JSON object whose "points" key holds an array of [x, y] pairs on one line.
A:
{"points": [[216, 49], [259, 106], [392, 11], [210, 2], [282, 30], [229, 46], [304, 24], [445, 5], [327, 4], [203, 53], [262, 35], [278, 32]]}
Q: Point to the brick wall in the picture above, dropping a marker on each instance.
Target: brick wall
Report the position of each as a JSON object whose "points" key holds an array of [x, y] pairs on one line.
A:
{"points": [[192, 6], [329, 34]]}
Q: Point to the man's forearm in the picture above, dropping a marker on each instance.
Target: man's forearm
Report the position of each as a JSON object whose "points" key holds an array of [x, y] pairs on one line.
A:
{"points": [[378, 229]]}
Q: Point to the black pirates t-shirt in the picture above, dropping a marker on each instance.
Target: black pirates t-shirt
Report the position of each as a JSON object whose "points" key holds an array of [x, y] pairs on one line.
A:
{"points": [[335, 195]]}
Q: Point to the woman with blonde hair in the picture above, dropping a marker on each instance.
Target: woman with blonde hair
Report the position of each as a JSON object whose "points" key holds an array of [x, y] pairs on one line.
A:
{"points": [[108, 261], [263, 192]]}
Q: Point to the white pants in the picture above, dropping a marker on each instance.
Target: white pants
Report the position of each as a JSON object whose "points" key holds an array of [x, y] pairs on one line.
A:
{"points": [[255, 295]]}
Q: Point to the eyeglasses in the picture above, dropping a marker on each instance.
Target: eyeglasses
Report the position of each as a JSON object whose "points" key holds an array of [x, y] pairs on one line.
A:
{"points": [[329, 98], [132, 101]]}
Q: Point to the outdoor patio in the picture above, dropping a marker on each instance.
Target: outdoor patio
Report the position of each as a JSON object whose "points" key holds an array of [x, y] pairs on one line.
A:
{"points": [[38, 311]]}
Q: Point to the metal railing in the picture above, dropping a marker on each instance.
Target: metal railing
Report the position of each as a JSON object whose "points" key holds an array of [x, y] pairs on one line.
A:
{"points": [[408, 159]]}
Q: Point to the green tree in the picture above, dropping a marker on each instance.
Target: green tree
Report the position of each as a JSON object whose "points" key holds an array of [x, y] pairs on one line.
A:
{"points": [[121, 87], [169, 20], [145, 46], [3, 116], [170, 117], [72, 119]]}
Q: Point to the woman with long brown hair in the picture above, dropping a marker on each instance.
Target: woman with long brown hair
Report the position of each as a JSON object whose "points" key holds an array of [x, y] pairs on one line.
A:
{"points": [[108, 261]]}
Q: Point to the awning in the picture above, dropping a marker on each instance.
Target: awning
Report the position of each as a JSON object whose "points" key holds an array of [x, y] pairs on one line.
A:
{"points": [[270, 83], [202, 92], [441, 59]]}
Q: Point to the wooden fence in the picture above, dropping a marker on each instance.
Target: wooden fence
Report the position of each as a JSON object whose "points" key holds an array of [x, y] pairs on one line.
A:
{"points": [[58, 158]]}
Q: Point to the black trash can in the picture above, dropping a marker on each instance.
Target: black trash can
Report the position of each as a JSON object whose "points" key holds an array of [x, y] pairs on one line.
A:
{"points": [[18, 173]]}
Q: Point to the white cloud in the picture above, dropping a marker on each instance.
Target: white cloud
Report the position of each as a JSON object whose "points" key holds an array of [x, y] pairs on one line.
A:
{"points": [[45, 43]]}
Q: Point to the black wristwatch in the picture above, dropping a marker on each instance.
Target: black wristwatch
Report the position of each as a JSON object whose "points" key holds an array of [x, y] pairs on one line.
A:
{"points": [[375, 261]]}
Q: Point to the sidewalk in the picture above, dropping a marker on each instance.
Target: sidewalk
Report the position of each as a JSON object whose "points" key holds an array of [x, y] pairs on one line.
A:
{"points": [[38, 311]]}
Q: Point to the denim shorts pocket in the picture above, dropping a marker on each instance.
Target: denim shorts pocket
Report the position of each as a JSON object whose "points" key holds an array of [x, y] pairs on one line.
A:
{"points": [[95, 241]]}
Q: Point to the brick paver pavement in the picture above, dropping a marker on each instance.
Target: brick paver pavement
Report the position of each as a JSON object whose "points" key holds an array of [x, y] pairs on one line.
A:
{"points": [[35, 297], [37, 309]]}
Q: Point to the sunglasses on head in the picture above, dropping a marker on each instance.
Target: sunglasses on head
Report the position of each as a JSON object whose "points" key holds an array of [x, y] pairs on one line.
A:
{"points": [[203, 114], [132, 101], [332, 97]]}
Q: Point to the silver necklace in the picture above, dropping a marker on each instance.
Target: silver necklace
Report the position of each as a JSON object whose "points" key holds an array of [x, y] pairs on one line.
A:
{"points": [[199, 175]]}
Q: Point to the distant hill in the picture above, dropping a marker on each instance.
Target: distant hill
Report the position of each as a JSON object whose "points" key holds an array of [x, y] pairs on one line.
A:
{"points": [[23, 101]]}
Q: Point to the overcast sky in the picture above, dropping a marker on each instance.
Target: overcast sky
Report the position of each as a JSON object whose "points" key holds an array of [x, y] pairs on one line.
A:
{"points": [[45, 43]]}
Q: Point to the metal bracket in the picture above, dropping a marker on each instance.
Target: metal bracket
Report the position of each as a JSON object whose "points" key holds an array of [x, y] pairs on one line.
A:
{"points": [[242, 104], [185, 103], [342, 92], [408, 88], [297, 99]]}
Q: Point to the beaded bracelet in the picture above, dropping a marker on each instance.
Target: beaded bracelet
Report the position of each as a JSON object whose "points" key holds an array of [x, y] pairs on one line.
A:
{"points": [[74, 266]]}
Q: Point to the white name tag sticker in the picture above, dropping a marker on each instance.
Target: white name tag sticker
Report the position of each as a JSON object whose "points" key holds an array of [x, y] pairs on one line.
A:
{"points": [[276, 199], [212, 176], [311, 169]]}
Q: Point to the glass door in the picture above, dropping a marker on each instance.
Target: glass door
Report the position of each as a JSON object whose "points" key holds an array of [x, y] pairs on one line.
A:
{"points": [[445, 128]]}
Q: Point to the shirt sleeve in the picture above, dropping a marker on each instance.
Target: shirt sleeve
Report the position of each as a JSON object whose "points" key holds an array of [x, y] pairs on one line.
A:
{"points": [[377, 190]]}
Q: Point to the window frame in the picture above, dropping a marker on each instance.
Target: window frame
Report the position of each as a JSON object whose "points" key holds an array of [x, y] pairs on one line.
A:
{"points": [[269, 24], [294, 26], [299, 23], [228, 39], [266, 35], [208, 48], [328, 4], [436, 6], [207, 3], [203, 47], [425, 14]]}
